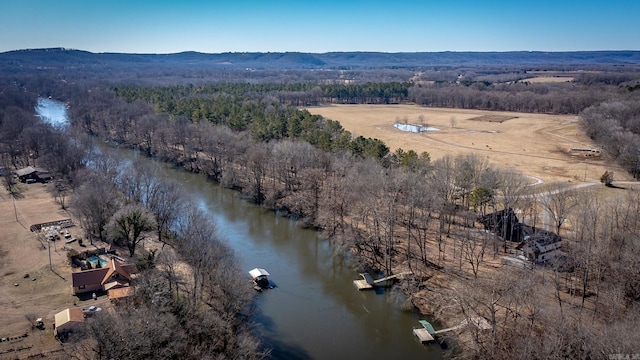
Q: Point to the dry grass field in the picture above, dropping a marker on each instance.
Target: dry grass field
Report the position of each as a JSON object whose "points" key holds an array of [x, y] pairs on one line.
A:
{"points": [[536, 144], [549, 79]]}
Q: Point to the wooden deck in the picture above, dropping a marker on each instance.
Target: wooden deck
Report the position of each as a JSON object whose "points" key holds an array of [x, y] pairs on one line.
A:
{"points": [[423, 335], [365, 283], [362, 284]]}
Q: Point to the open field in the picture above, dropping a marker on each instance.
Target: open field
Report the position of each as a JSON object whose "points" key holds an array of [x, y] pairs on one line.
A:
{"points": [[549, 79], [46, 291], [536, 144]]}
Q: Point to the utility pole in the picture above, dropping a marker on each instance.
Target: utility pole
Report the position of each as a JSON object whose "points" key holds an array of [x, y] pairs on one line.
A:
{"points": [[50, 267]]}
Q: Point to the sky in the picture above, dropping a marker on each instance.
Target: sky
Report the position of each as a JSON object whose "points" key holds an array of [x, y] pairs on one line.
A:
{"points": [[213, 26]]}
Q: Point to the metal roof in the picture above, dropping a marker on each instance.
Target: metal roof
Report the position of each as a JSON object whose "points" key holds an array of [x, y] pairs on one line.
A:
{"points": [[258, 272]]}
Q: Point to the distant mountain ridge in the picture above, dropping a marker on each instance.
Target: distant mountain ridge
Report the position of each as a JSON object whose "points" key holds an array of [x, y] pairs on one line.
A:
{"points": [[68, 58]]}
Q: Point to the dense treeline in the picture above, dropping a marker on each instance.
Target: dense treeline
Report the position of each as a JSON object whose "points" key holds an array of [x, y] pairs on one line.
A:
{"points": [[252, 108], [512, 90], [558, 98], [200, 102], [297, 94], [615, 125]]}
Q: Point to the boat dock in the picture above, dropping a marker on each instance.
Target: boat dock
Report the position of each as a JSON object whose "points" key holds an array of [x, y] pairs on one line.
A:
{"points": [[367, 281], [423, 335], [427, 333]]}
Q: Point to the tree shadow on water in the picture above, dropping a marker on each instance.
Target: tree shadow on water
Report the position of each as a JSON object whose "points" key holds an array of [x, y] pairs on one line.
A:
{"points": [[277, 348]]}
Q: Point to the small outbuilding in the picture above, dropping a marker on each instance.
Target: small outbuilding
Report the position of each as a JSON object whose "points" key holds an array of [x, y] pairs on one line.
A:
{"points": [[32, 174], [68, 321]]}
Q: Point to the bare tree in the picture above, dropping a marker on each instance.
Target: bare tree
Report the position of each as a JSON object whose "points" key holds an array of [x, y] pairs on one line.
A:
{"points": [[128, 225], [60, 190], [443, 184], [587, 221], [559, 202], [94, 203], [257, 168], [468, 170], [9, 181], [167, 201], [473, 248], [198, 242], [338, 198], [511, 191]]}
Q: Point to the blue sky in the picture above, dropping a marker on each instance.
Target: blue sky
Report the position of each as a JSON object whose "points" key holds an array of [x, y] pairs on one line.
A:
{"points": [[161, 26]]}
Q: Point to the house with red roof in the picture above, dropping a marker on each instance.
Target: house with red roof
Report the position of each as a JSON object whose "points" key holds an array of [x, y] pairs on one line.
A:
{"points": [[113, 275]]}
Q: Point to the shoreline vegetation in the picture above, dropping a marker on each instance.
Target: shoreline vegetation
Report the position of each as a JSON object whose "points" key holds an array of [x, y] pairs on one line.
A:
{"points": [[396, 210]]}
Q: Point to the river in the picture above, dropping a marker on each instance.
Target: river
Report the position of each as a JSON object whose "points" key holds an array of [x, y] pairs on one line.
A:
{"points": [[315, 311], [52, 112]]}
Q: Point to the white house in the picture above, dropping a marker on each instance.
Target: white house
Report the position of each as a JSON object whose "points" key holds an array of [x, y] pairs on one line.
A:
{"points": [[541, 246]]}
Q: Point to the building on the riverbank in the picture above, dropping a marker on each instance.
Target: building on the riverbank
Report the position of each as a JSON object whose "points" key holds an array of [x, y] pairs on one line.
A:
{"points": [[31, 174], [113, 275]]}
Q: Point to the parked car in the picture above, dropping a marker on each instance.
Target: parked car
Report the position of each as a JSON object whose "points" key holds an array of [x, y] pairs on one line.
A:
{"points": [[91, 309]]}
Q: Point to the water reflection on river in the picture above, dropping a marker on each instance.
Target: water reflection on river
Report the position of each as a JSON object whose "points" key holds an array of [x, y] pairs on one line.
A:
{"points": [[52, 112], [315, 311]]}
